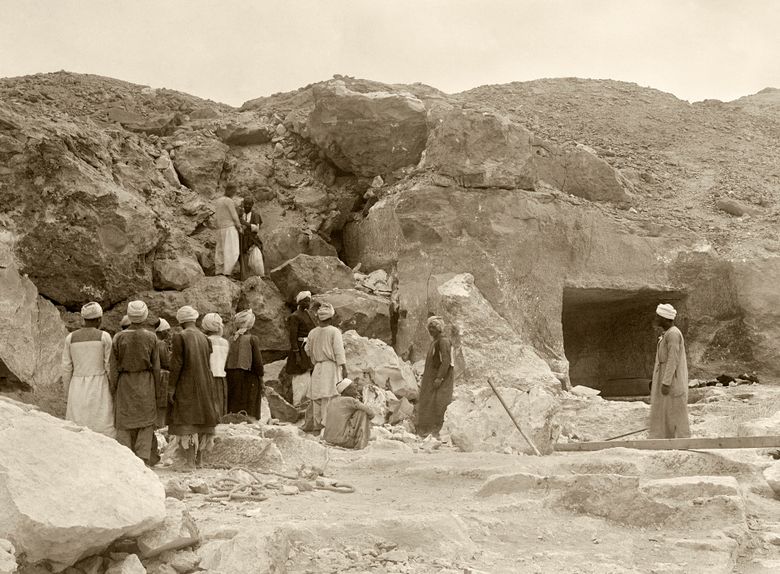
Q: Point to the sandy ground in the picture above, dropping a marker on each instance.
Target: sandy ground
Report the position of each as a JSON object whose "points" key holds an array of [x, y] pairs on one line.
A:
{"points": [[419, 509]]}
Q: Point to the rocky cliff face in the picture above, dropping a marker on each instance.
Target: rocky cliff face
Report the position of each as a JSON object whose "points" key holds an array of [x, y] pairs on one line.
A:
{"points": [[575, 205]]}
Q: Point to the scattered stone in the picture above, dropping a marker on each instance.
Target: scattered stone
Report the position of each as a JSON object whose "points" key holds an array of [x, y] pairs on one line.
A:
{"points": [[175, 489], [131, 564], [183, 561], [177, 531], [377, 181], [289, 490], [734, 207], [582, 391], [198, 486], [102, 492], [395, 556], [250, 552], [402, 412]]}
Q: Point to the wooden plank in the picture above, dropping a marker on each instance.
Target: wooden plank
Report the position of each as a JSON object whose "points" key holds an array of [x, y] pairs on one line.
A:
{"points": [[674, 443]]}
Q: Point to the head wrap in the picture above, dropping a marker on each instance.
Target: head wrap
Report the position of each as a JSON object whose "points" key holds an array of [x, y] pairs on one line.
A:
{"points": [[436, 322], [343, 385], [244, 321], [186, 314], [666, 311], [91, 311], [325, 312], [163, 326], [302, 295], [212, 323], [125, 322], [137, 311]]}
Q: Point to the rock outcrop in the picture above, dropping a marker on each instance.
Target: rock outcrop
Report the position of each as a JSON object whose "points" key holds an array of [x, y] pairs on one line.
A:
{"points": [[316, 274], [102, 491], [284, 243], [199, 164], [177, 273], [369, 315], [367, 134]]}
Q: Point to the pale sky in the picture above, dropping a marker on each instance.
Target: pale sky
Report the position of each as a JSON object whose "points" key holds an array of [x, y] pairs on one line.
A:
{"points": [[235, 50]]}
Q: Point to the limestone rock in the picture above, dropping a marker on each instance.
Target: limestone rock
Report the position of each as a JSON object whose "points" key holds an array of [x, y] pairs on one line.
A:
{"points": [[183, 561], [369, 315], [262, 549], [249, 132], [91, 565], [734, 207], [311, 198], [285, 242], [102, 491], [371, 361], [240, 445], [130, 564], [758, 299], [271, 313], [375, 398], [768, 426], [209, 295], [199, 164], [7, 557], [367, 133], [177, 273], [296, 447], [772, 476], [485, 345], [476, 421], [177, 531], [31, 336], [280, 408], [317, 274], [685, 488]]}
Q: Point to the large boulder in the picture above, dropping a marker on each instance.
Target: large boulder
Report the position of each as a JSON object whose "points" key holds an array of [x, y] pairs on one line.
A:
{"points": [[199, 164], [367, 134], [476, 420], [177, 273], [371, 361], [286, 242], [485, 345], [31, 337], [487, 150], [317, 274], [78, 200], [67, 492], [271, 313], [369, 315], [248, 130], [209, 295]]}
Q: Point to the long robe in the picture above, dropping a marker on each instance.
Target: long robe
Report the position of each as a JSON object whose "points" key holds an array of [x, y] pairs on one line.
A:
{"points": [[348, 423], [164, 349], [299, 367], [219, 354], [86, 363], [191, 385], [249, 238], [433, 400], [135, 374], [244, 370], [325, 347], [669, 413]]}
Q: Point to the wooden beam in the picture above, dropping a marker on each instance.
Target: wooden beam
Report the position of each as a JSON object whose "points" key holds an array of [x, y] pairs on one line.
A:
{"points": [[674, 443]]}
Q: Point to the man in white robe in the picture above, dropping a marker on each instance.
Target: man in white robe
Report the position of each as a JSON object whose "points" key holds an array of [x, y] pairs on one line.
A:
{"points": [[85, 367], [325, 348], [669, 391]]}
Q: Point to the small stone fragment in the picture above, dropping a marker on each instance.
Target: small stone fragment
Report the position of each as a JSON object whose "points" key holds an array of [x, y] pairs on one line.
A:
{"points": [[199, 486], [177, 531], [130, 564]]}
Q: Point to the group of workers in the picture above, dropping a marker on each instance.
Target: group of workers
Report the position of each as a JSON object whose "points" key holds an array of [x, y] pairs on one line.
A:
{"points": [[146, 377]]}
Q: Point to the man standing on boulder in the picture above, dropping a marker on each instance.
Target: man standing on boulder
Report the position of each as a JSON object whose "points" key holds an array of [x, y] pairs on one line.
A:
{"points": [[669, 391], [135, 376], [299, 366], [191, 389], [251, 245], [325, 346], [86, 362], [228, 227]]}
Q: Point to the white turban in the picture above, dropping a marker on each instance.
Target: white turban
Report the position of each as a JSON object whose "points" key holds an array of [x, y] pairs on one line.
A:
{"points": [[342, 386], [302, 295], [91, 310], [137, 311], [325, 312], [243, 321], [186, 314], [436, 322], [163, 326], [666, 311], [125, 322], [212, 323]]}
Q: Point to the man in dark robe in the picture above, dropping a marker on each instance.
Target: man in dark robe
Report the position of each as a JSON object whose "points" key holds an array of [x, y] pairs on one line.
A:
{"points": [[190, 390], [135, 378], [437, 381], [250, 227], [162, 331], [299, 365]]}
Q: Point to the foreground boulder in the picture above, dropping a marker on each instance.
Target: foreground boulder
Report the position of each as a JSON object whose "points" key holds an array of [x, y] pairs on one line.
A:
{"points": [[31, 336], [475, 420], [369, 315], [373, 362], [66, 492], [311, 273], [486, 345], [367, 134]]}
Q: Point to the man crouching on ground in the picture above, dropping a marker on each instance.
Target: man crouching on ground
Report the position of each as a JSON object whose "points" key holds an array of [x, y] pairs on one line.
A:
{"points": [[348, 423]]}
